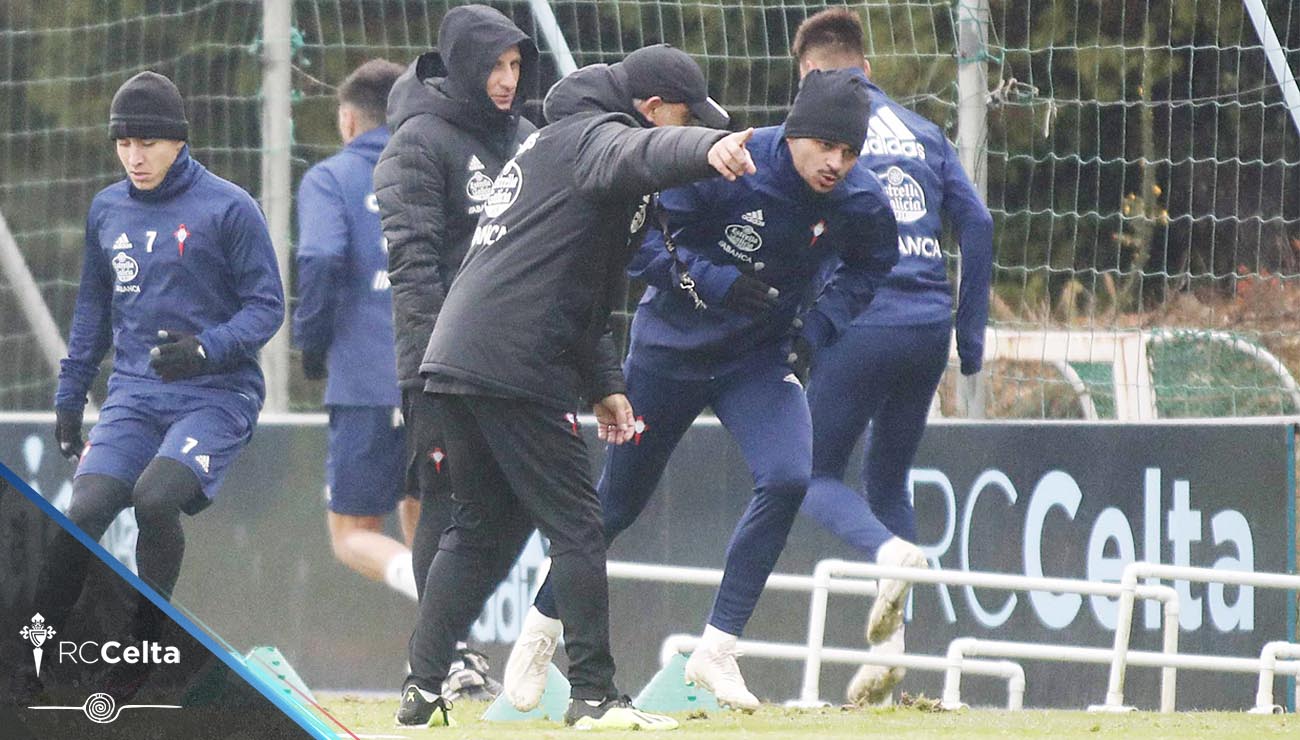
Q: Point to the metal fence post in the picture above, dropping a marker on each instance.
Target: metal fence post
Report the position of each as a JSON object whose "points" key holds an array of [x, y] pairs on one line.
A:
{"points": [[276, 195], [972, 140]]}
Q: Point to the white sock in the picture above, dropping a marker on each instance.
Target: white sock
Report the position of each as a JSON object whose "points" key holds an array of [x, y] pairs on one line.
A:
{"points": [[893, 551], [535, 621], [400, 575], [714, 637]]}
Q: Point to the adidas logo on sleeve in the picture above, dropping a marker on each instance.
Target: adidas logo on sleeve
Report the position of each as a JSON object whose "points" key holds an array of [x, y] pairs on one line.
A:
{"points": [[887, 134]]}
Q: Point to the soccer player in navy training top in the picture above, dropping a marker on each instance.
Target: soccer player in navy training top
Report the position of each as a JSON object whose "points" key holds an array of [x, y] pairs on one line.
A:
{"points": [[180, 279], [884, 370], [753, 249], [344, 325]]}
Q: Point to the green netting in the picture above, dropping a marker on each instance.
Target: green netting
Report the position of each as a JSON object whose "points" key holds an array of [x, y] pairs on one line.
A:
{"points": [[1142, 174], [1196, 376], [1100, 382], [1141, 159]]}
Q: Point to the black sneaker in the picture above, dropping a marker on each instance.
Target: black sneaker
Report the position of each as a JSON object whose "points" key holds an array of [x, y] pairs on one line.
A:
{"points": [[469, 678], [616, 713], [422, 708]]}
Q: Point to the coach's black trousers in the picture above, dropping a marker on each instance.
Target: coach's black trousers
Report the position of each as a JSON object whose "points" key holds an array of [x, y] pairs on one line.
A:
{"points": [[516, 465]]}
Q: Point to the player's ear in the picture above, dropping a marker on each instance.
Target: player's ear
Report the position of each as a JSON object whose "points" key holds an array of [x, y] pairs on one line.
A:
{"points": [[347, 121], [648, 106]]}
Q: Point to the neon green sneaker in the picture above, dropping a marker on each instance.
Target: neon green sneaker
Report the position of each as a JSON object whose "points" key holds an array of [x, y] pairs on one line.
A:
{"points": [[420, 708]]}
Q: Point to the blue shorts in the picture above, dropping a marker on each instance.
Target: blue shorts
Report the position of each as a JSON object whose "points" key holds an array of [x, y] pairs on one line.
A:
{"points": [[364, 464], [202, 432]]}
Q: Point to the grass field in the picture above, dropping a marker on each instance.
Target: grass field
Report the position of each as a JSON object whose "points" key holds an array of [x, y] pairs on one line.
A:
{"points": [[371, 717]]}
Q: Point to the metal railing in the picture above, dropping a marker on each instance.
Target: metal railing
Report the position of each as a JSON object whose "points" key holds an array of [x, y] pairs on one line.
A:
{"points": [[1012, 672], [1124, 615], [827, 569]]}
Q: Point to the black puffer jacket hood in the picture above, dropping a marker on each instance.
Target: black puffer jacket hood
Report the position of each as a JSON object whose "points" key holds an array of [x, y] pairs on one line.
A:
{"points": [[451, 82], [596, 88]]}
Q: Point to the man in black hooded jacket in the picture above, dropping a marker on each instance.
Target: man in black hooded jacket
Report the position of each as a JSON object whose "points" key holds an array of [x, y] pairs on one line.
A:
{"points": [[522, 336], [455, 119]]}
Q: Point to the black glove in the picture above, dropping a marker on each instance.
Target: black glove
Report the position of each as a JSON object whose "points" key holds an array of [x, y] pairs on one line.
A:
{"points": [[313, 365], [800, 358], [67, 432], [177, 356], [749, 295]]}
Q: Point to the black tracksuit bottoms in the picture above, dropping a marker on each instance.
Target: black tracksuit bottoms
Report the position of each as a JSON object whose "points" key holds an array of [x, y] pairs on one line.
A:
{"points": [[516, 465]]}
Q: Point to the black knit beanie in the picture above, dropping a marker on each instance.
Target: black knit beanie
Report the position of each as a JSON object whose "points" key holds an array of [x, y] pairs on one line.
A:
{"points": [[148, 106], [832, 106]]}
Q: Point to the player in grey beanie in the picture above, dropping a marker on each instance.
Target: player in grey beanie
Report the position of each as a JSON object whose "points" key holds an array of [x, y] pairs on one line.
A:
{"points": [[148, 106], [832, 106]]}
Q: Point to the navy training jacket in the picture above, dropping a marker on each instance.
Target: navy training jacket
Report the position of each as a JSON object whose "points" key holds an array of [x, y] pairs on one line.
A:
{"points": [[775, 227], [192, 255], [925, 183], [345, 304]]}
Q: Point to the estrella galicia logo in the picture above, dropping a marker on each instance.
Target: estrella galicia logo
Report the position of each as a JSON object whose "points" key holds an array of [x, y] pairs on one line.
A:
{"points": [[505, 190], [906, 196], [744, 237], [37, 633], [125, 267], [478, 187]]}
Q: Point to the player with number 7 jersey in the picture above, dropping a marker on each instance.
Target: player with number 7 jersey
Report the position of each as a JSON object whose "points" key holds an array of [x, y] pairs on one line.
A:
{"points": [[180, 278]]}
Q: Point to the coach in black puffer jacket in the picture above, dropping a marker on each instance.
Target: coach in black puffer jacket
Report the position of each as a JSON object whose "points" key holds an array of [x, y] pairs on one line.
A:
{"points": [[527, 317], [449, 142]]}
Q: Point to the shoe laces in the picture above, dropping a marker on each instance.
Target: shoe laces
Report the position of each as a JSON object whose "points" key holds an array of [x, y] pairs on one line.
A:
{"points": [[725, 659], [443, 705], [540, 649]]}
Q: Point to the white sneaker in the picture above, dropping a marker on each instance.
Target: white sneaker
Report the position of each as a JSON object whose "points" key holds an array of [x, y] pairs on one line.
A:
{"points": [[891, 594], [530, 660], [713, 666], [614, 714], [874, 684]]}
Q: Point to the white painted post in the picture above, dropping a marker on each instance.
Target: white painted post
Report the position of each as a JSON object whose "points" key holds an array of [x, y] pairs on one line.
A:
{"points": [[276, 196], [972, 135]]}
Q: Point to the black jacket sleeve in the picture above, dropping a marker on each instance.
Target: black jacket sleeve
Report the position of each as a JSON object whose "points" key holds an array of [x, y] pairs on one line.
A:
{"points": [[604, 376], [410, 185], [618, 160]]}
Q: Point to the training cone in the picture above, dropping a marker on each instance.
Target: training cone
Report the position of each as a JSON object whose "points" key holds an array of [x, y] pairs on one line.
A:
{"points": [[668, 691], [555, 700], [269, 663], [269, 667]]}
